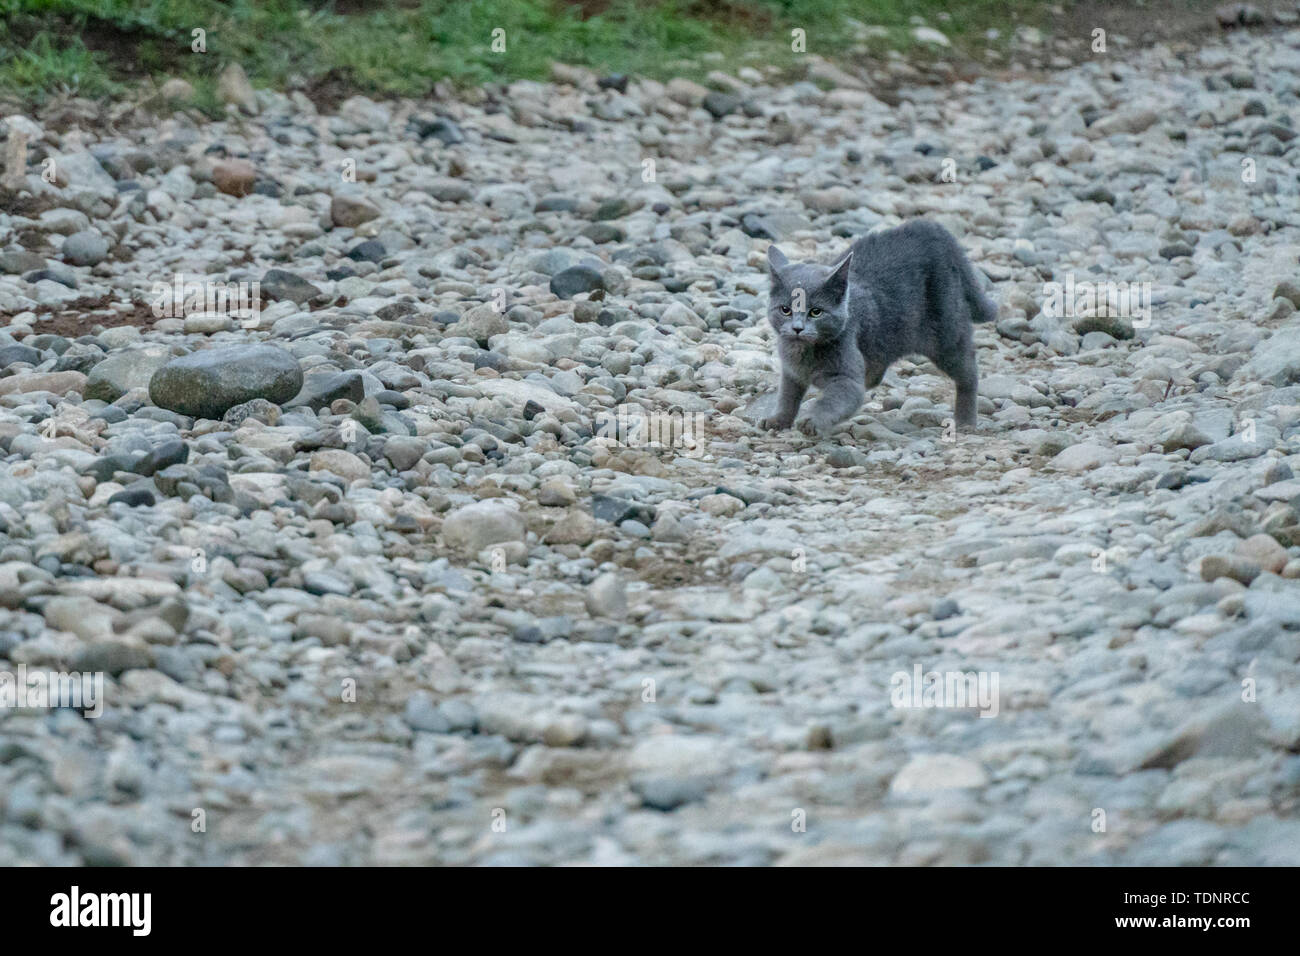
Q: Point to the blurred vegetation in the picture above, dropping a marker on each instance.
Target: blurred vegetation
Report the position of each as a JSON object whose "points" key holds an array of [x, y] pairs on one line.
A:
{"points": [[95, 47]]}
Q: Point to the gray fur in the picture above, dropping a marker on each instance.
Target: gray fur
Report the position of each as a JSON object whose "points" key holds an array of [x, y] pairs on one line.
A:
{"points": [[905, 291]]}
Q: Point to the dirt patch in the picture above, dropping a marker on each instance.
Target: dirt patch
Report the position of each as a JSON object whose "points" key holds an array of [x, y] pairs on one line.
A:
{"points": [[745, 15], [353, 7], [86, 315], [119, 45], [1067, 40], [1142, 22], [29, 206], [329, 90], [664, 572]]}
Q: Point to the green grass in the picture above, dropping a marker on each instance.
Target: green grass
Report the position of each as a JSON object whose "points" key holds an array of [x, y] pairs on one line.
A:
{"points": [[92, 47], [49, 66]]}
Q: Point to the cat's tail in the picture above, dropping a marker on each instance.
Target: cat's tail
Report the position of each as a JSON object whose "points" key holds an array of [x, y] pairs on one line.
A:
{"points": [[982, 308]]}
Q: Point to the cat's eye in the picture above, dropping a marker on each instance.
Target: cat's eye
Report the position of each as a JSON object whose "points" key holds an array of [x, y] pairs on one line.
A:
{"points": [[785, 310], [814, 312]]}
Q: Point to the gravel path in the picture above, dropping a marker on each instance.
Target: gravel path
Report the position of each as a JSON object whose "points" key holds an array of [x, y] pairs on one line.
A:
{"points": [[375, 577]]}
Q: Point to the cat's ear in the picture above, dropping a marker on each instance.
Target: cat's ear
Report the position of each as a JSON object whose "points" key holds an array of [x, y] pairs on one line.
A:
{"points": [[837, 282], [776, 259]]}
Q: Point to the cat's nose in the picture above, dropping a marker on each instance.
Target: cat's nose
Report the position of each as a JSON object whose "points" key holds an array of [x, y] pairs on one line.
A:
{"points": [[796, 324]]}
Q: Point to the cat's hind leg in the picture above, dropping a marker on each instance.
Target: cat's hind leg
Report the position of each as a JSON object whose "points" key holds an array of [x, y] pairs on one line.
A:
{"points": [[956, 359], [968, 402], [876, 370], [953, 349], [964, 372]]}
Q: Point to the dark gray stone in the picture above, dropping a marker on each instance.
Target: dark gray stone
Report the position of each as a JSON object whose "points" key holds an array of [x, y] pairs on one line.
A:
{"points": [[576, 280], [208, 383]]}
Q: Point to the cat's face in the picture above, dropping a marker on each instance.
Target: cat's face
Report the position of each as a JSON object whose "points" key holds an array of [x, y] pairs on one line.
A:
{"points": [[807, 303]]}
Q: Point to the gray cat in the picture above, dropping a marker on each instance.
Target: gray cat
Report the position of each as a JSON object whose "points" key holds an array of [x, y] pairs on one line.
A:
{"points": [[904, 291]]}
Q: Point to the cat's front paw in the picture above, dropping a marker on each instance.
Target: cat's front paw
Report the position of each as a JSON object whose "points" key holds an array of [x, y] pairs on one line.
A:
{"points": [[815, 426], [774, 423]]}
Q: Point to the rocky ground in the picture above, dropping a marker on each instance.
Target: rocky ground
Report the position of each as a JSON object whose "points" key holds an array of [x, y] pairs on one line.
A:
{"points": [[372, 584]]}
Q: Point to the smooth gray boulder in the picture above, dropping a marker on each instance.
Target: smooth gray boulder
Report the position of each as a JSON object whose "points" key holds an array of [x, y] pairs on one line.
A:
{"points": [[208, 383]]}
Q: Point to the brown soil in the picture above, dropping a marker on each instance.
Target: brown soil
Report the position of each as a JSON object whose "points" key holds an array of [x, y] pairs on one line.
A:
{"points": [[327, 91], [1067, 35], [83, 316], [1144, 22]]}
